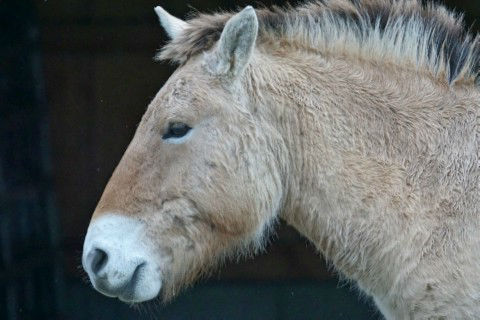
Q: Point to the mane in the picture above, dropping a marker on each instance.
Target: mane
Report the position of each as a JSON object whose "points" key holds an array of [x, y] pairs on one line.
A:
{"points": [[405, 32]]}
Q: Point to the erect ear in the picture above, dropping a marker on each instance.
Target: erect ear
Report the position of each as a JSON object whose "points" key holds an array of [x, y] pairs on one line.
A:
{"points": [[172, 25], [236, 44]]}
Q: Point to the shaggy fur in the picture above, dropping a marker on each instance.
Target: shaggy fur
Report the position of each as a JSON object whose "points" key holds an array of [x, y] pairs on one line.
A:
{"points": [[402, 31], [375, 161]]}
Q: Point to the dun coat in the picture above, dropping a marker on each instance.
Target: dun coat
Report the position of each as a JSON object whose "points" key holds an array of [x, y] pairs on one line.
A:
{"points": [[356, 122]]}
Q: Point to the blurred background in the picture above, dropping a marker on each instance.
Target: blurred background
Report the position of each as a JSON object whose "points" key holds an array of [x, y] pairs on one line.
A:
{"points": [[75, 79]]}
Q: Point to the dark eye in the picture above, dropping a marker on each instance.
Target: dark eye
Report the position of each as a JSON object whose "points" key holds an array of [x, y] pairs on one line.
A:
{"points": [[176, 130]]}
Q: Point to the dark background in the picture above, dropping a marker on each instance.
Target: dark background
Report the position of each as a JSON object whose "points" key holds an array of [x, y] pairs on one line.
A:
{"points": [[75, 78]]}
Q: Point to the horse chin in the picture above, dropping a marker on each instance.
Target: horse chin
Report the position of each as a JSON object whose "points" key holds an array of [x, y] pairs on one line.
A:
{"points": [[146, 288], [139, 295]]}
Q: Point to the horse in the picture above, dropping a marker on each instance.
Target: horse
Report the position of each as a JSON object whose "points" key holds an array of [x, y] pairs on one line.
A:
{"points": [[357, 122]]}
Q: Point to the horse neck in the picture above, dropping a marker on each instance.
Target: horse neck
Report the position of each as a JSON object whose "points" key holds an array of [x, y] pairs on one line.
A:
{"points": [[354, 137]]}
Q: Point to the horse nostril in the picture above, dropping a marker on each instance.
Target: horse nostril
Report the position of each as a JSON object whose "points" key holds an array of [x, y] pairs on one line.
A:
{"points": [[98, 260]]}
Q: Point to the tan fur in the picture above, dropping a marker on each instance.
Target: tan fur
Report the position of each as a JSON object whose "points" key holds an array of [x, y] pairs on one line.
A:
{"points": [[376, 162]]}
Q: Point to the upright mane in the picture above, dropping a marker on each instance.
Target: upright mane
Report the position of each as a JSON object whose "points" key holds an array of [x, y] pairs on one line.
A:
{"points": [[404, 32]]}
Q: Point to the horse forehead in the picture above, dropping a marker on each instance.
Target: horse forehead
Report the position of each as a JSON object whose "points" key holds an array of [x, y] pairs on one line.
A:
{"points": [[175, 87], [185, 86], [174, 93]]}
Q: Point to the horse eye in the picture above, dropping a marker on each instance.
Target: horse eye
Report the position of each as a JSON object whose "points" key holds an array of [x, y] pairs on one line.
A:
{"points": [[176, 130]]}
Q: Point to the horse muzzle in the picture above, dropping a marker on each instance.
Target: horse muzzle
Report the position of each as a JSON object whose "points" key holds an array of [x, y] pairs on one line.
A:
{"points": [[118, 261]]}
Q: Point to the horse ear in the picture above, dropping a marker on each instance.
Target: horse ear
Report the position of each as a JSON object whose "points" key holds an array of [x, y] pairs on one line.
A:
{"points": [[236, 44], [172, 25]]}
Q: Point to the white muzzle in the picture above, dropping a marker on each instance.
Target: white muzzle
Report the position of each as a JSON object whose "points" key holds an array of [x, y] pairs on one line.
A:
{"points": [[118, 260]]}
